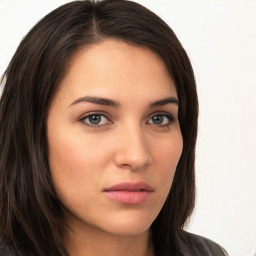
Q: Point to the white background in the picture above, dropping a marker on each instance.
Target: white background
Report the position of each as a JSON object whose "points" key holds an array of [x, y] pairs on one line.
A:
{"points": [[220, 38]]}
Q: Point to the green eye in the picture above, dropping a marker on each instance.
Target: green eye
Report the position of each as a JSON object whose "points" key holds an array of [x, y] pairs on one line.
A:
{"points": [[95, 120], [158, 119], [161, 119]]}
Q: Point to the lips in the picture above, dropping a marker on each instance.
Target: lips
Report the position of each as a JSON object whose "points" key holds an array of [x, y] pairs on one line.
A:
{"points": [[129, 193]]}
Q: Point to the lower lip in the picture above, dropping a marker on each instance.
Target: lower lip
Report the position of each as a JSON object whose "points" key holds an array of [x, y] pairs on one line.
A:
{"points": [[129, 197]]}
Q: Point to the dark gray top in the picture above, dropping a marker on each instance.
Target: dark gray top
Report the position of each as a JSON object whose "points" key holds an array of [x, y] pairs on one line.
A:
{"points": [[194, 245]]}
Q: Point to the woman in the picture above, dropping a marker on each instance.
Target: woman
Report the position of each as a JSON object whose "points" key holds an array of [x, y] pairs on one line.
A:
{"points": [[98, 129]]}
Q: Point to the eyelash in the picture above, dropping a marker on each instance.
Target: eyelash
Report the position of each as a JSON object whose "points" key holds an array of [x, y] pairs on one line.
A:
{"points": [[170, 118], [82, 120]]}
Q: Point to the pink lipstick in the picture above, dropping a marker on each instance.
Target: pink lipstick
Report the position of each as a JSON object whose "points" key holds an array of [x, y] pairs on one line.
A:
{"points": [[129, 193]]}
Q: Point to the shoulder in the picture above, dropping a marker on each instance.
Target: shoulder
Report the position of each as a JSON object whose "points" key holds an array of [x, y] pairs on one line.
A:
{"points": [[194, 245], [6, 250]]}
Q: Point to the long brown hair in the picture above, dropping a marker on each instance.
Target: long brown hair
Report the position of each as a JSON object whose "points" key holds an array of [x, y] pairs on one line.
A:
{"points": [[30, 212]]}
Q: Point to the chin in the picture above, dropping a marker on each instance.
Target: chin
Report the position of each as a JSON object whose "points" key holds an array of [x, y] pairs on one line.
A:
{"points": [[129, 225], [128, 230], [121, 221]]}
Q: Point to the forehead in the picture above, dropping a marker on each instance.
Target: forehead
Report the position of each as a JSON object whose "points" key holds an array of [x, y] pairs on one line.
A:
{"points": [[115, 67]]}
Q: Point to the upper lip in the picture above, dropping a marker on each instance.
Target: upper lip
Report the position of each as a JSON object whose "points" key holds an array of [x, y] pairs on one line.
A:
{"points": [[130, 186]]}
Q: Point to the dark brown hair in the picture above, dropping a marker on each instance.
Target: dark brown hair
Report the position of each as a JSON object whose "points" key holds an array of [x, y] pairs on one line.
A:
{"points": [[30, 213]]}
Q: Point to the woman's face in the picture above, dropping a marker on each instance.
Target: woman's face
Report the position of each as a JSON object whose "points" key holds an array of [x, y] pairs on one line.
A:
{"points": [[114, 138]]}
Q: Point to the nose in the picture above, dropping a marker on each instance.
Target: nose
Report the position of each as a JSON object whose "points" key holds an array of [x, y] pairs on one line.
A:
{"points": [[132, 151]]}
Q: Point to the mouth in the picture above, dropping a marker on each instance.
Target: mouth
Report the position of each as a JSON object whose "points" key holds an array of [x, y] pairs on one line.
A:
{"points": [[129, 193]]}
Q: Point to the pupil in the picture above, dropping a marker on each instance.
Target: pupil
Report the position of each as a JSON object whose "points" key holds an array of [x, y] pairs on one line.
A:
{"points": [[95, 119], [157, 119]]}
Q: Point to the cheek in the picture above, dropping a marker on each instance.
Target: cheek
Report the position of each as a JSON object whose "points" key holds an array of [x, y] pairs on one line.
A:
{"points": [[169, 151], [76, 161], [72, 170], [168, 156], [64, 157], [67, 162], [72, 153]]}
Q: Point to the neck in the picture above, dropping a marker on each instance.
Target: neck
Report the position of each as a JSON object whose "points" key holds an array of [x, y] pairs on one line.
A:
{"points": [[93, 242]]}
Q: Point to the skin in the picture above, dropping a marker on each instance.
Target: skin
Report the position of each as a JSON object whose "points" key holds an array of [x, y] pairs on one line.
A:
{"points": [[128, 145]]}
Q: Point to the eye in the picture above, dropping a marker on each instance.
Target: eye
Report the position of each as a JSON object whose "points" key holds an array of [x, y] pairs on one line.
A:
{"points": [[161, 120], [95, 120]]}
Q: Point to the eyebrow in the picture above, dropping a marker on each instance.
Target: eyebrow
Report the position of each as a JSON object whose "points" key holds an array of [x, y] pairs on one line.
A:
{"points": [[116, 104], [165, 101], [96, 100]]}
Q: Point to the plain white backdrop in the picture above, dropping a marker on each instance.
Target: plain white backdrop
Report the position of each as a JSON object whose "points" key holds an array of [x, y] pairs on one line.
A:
{"points": [[220, 38]]}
